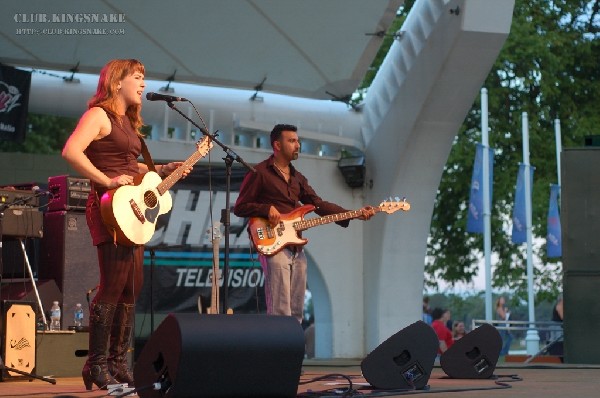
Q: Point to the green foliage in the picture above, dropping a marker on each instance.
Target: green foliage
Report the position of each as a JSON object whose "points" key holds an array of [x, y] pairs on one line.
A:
{"points": [[548, 68], [45, 135]]}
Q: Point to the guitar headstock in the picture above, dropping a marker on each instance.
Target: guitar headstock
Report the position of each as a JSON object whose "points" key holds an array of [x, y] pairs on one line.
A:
{"points": [[204, 145], [391, 206]]}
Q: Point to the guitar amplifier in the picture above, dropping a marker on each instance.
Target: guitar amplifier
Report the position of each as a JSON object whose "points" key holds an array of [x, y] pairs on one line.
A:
{"points": [[23, 222], [18, 197], [68, 193]]}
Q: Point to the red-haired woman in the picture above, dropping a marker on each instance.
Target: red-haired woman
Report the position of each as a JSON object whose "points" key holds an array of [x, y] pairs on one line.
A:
{"points": [[105, 147]]}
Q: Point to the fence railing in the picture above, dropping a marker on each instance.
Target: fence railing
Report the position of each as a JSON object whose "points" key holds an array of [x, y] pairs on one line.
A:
{"points": [[519, 325], [547, 330]]}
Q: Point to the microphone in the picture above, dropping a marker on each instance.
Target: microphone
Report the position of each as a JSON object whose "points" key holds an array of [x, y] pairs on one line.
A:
{"points": [[37, 191], [164, 97]]}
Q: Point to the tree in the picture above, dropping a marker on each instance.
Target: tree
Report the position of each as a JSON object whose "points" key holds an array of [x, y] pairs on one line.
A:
{"points": [[45, 135], [547, 68]]}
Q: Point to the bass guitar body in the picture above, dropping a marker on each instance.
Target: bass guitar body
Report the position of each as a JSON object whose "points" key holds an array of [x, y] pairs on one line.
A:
{"points": [[269, 239]]}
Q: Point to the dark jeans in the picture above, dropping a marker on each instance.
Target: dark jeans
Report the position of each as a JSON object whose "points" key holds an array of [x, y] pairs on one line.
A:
{"points": [[506, 340]]}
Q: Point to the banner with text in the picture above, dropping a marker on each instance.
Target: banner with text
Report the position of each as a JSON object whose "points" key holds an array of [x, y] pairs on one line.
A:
{"points": [[519, 228], [554, 237], [14, 103], [178, 260], [475, 214]]}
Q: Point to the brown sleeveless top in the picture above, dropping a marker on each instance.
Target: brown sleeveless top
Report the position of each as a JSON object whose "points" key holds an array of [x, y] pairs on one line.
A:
{"points": [[115, 154]]}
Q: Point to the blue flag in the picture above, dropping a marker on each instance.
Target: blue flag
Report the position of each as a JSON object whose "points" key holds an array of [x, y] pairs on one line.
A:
{"points": [[475, 214], [519, 229], [554, 239]]}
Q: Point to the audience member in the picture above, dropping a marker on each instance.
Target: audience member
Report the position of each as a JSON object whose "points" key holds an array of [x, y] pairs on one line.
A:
{"points": [[503, 314], [309, 336], [458, 330], [426, 311], [557, 312], [440, 317], [555, 342]]}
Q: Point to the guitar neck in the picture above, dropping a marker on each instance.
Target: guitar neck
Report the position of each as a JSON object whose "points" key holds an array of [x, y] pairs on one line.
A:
{"points": [[313, 222], [176, 175], [214, 302]]}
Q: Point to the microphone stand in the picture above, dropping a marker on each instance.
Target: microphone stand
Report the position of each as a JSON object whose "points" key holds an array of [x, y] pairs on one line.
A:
{"points": [[225, 213], [29, 375]]}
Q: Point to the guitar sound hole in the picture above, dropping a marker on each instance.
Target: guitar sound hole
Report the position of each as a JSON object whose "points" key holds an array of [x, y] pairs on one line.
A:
{"points": [[150, 199]]}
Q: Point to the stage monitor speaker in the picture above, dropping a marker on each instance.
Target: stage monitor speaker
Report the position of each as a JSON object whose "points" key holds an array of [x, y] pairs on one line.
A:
{"points": [[69, 257], [18, 345], [475, 355], [580, 223], [240, 355], [404, 361]]}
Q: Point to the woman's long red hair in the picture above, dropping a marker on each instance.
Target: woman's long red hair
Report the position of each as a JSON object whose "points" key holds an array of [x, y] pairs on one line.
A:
{"points": [[110, 76]]}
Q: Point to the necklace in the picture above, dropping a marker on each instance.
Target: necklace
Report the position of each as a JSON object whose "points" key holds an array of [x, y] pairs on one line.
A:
{"points": [[278, 168]]}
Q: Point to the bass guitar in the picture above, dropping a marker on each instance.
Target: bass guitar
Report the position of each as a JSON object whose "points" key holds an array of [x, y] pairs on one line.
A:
{"points": [[269, 240], [130, 212]]}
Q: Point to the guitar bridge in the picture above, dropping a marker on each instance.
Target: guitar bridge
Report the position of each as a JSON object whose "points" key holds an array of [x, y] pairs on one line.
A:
{"points": [[137, 211]]}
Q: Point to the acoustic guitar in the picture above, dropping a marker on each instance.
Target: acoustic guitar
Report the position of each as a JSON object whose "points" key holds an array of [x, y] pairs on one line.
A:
{"points": [[131, 211]]}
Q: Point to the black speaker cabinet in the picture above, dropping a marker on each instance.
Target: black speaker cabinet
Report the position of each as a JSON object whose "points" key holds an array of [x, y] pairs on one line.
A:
{"points": [[580, 222], [18, 344], [240, 355], [475, 355], [14, 263], [404, 361], [68, 257]]}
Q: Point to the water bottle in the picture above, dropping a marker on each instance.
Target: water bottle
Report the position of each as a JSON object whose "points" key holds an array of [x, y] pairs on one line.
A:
{"points": [[78, 316], [55, 316]]}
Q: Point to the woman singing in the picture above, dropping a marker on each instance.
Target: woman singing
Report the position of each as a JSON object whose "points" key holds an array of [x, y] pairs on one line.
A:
{"points": [[105, 147]]}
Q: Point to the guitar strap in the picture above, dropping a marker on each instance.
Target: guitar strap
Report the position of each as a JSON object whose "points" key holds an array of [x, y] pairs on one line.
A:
{"points": [[146, 156]]}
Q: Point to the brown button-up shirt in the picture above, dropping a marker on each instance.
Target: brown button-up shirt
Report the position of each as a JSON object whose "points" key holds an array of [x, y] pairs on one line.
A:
{"points": [[266, 188]]}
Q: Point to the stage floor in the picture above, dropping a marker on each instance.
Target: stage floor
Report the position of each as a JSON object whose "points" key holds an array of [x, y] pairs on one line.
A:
{"points": [[536, 381]]}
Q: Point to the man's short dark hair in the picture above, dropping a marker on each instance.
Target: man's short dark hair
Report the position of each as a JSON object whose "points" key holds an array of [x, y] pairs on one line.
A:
{"points": [[437, 313], [276, 132]]}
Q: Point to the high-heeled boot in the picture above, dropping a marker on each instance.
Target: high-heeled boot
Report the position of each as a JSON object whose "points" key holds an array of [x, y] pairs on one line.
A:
{"points": [[120, 342], [95, 370]]}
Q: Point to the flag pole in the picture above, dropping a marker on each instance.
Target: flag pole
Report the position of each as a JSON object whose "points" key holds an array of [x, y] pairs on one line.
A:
{"points": [[557, 137], [487, 239], [532, 340]]}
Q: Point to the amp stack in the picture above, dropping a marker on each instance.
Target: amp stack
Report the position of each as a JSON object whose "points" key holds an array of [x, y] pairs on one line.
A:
{"points": [[21, 223], [21, 229], [68, 254]]}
